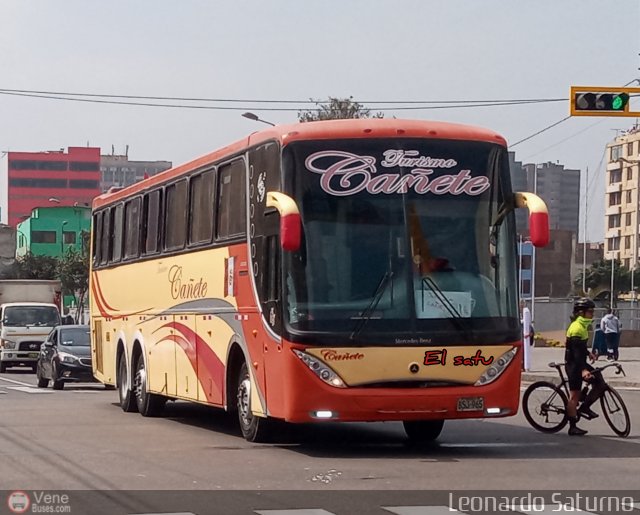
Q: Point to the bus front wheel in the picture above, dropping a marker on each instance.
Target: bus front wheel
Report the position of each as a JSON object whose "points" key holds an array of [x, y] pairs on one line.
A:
{"points": [[254, 429], [423, 431]]}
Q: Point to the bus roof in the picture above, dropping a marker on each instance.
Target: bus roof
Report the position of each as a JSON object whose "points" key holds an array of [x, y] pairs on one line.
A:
{"points": [[329, 129]]}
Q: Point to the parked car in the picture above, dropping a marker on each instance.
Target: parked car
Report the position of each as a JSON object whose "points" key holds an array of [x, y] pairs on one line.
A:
{"points": [[65, 356]]}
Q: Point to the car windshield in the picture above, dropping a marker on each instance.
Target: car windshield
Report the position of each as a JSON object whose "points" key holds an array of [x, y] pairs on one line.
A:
{"points": [[40, 316], [75, 336], [402, 236]]}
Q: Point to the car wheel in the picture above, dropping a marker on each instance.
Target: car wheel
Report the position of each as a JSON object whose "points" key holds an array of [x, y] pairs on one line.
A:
{"points": [[149, 404], [3, 367], [127, 399], [58, 384], [43, 382]]}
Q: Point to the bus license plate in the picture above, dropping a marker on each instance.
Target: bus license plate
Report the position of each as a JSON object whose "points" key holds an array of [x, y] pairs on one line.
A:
{"points": [[471, 404]]}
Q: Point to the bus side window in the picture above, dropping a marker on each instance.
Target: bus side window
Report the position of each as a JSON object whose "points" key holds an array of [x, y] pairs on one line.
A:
{"points": [[232, 214], [97, 238], [175, 216], [151, 222], [105, 236], [201, 215]]}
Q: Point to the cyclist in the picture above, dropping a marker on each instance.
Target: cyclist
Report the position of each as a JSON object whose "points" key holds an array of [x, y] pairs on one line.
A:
{"points": [[578, 370]]}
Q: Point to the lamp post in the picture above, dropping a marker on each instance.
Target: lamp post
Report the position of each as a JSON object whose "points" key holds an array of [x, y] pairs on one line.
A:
{"points": [[62, 239], [254, 117]]}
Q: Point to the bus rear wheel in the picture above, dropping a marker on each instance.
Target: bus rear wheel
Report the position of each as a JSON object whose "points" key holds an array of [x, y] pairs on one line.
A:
{"points": [[127, 400], [149, 404], [423, 431], [254, 429]]}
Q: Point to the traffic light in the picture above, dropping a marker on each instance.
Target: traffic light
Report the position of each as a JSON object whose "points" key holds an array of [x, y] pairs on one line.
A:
{"points": [[599, 101]]}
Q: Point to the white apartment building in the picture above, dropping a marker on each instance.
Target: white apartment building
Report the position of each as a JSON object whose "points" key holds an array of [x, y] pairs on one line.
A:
{"points": [[622, 198]]}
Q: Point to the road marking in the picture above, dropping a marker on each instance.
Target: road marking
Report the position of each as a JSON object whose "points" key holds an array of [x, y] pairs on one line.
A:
{"points": [[551, 508], [498, 444], [302, 511], [28, 389], [421, 510], [15, 382]]}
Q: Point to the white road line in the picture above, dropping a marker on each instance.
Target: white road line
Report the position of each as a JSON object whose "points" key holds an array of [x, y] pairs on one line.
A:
{"points": [[28, 389], [301, 511], [499, 444], [15, 382], [421, 510], [550, 509]]}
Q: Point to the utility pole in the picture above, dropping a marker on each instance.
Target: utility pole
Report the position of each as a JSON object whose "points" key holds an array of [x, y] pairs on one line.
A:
{"points": [[584, 234]]}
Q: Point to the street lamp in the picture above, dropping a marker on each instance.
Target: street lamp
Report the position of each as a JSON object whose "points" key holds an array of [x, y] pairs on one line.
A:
{"points": [[62, 238], [255, 118]]}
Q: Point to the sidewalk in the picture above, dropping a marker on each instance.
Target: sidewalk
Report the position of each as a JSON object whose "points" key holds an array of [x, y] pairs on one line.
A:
{"points": [[542, 356]]}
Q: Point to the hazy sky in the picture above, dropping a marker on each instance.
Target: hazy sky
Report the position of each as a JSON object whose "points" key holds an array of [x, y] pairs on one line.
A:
{"points": [[286, 50]]}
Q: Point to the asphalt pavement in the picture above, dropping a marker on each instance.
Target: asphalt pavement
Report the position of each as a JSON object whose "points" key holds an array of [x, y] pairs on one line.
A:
{"points": [[542, 356]]}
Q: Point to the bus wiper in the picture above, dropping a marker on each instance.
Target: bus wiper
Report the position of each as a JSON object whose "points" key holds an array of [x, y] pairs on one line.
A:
{"points": [[456, 318], [365, 316]]}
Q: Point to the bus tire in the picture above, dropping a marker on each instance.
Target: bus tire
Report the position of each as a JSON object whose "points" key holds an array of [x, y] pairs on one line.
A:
{"points": [[254, 429], [148, 404], [127, 400], [423, 431]]}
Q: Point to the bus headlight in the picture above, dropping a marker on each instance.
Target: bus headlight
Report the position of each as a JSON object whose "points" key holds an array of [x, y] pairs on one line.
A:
{"points": [[497, 367], [320, 369]]}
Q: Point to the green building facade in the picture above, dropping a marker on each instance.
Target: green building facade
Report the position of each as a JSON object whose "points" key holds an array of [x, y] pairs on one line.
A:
{"points": [[51, 231]]}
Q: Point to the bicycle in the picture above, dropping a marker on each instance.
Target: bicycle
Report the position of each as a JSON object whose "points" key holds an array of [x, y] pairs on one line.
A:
{"points": [[545, 403]]}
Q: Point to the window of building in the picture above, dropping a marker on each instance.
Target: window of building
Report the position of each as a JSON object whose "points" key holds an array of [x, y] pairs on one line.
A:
{"points": [[629, 173], [78, 166], [526, 262], [175, 220], [231, 218], [151, 221], [615, 176], [21, 164], [132, 223], [614, 221], [627, 262], [69, 237], [616, 152], [201, 207], [43, 236], [627, 219], [630, 148], [83, 184], [627, 242], [526, 286], [613, 243], [615, 199], [38, 183], [628, 196]]}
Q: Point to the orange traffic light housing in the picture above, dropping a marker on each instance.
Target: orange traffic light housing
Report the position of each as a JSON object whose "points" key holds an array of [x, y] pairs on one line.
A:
{"points": [[601, 101]]}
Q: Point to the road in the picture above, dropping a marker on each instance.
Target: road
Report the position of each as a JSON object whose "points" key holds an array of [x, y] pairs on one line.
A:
{"points": [[79, 439]]}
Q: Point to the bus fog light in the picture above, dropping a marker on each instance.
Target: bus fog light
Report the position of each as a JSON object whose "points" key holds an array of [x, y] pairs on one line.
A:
{"points": [[499, 366], [320, 369], [324, 414]]}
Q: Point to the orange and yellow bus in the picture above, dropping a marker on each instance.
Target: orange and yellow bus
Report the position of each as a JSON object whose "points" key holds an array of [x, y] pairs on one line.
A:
{"points": [[351, 270]]}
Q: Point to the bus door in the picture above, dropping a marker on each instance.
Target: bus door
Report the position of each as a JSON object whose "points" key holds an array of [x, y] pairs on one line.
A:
{"points": [[264, 241]]}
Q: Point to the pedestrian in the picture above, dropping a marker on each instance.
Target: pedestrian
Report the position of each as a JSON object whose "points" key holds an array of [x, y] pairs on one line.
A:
{"points": [[610, 326], [577, 368], [527, 334]]}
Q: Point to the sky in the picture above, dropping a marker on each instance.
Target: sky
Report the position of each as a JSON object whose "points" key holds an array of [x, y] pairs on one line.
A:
{"points": [[374, 51]]}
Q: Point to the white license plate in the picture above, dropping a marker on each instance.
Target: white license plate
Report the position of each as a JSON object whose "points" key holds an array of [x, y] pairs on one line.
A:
{"points": [[471, 404]]}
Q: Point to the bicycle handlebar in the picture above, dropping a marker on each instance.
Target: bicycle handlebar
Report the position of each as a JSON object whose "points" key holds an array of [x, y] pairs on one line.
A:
{"points": [[618, 366]]}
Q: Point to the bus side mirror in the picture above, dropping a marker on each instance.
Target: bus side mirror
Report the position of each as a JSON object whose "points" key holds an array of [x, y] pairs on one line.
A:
{"points": [[290, 225], [538, 217]]}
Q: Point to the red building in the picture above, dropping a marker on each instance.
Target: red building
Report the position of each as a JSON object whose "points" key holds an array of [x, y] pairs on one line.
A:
{"points": [[38, 179]]}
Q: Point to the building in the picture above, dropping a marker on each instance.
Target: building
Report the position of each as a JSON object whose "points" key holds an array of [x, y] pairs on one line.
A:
{"points": [[29, 180], [525, 261], [559, 187], [519, 183], [621, 202], [119, 171], [51, 231], [555, 266]]}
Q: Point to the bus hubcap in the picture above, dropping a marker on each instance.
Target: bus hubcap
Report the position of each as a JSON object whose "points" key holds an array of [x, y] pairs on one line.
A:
{"points": [[244, 392], [141, 380]]}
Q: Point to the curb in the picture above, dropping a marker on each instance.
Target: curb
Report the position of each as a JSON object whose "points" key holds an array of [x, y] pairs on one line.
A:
{"points": [[532, 377]]}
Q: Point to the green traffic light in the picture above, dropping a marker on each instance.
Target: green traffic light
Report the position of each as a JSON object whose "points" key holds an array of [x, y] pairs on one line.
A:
{"points": [[617, 103]]}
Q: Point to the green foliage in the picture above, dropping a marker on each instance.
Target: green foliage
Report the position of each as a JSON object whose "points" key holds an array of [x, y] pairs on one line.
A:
{"points": [[598, 277], [336, 109], [73, 271], [31, 266]]}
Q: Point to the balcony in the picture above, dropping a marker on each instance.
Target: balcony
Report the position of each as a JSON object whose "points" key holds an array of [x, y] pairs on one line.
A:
{"points": [[613, 210], [615, 187]]}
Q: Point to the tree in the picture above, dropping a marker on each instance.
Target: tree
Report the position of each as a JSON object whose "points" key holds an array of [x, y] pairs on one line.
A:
{"points": [[336, 109], [31, 266], [73, 269], [598, 278]]}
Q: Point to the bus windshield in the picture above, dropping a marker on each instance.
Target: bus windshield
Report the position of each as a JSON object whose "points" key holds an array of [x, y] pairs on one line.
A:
{"points": [[405, 241]]}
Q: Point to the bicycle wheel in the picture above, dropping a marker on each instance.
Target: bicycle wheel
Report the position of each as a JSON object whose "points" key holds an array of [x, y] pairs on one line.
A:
{"points": [[615, 411], [545, 407]]}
